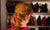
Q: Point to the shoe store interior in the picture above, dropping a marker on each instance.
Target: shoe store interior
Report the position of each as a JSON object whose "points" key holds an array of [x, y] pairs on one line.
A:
{"points": [[39, 20]]}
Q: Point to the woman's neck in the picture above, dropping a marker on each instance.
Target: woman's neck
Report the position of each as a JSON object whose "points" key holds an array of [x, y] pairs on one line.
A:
{"points": [[23, 26]]}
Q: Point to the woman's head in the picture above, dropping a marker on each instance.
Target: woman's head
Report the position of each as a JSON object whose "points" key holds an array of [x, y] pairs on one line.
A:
{"points": [[22, 13]]}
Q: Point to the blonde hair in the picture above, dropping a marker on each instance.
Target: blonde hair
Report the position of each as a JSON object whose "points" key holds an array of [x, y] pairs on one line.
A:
{"points": [[22, 9]]}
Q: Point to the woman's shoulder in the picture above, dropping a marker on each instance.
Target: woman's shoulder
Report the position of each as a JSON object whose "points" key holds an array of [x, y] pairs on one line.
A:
{"points": [[24, 28], [10, 28]]}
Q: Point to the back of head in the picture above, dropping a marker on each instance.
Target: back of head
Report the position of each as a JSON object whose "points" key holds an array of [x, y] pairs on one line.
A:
{"points": [[21, 10]]}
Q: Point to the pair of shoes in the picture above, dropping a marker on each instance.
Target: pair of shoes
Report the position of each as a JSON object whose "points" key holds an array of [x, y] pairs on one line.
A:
{"points": [[32, 28], [31, 21], [42, 8]]}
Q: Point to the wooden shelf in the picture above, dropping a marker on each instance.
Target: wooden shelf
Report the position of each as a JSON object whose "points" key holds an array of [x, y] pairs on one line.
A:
{"points": [[37, 26], [10, 13], [29, 0], [48, 13]]}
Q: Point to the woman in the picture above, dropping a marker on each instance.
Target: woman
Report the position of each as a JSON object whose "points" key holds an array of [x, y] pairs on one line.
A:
{"points": [[21, 17]]}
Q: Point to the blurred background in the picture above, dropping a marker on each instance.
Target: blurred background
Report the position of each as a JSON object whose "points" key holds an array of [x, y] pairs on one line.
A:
{"points": [[39, 20]]}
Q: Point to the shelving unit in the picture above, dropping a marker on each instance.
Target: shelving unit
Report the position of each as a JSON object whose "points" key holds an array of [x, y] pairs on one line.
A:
{"points": [[48, 13], [45, 13]]}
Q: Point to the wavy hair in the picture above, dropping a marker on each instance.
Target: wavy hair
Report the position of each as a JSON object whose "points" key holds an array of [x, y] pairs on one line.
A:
{"points": [[21, 10]]}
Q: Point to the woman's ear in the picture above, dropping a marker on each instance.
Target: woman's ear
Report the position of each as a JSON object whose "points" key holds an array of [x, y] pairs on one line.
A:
{"points": [[28, 16]]}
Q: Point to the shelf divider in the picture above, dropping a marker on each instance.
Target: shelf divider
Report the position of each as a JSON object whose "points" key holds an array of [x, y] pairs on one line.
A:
{"points": [[48, 13]]}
